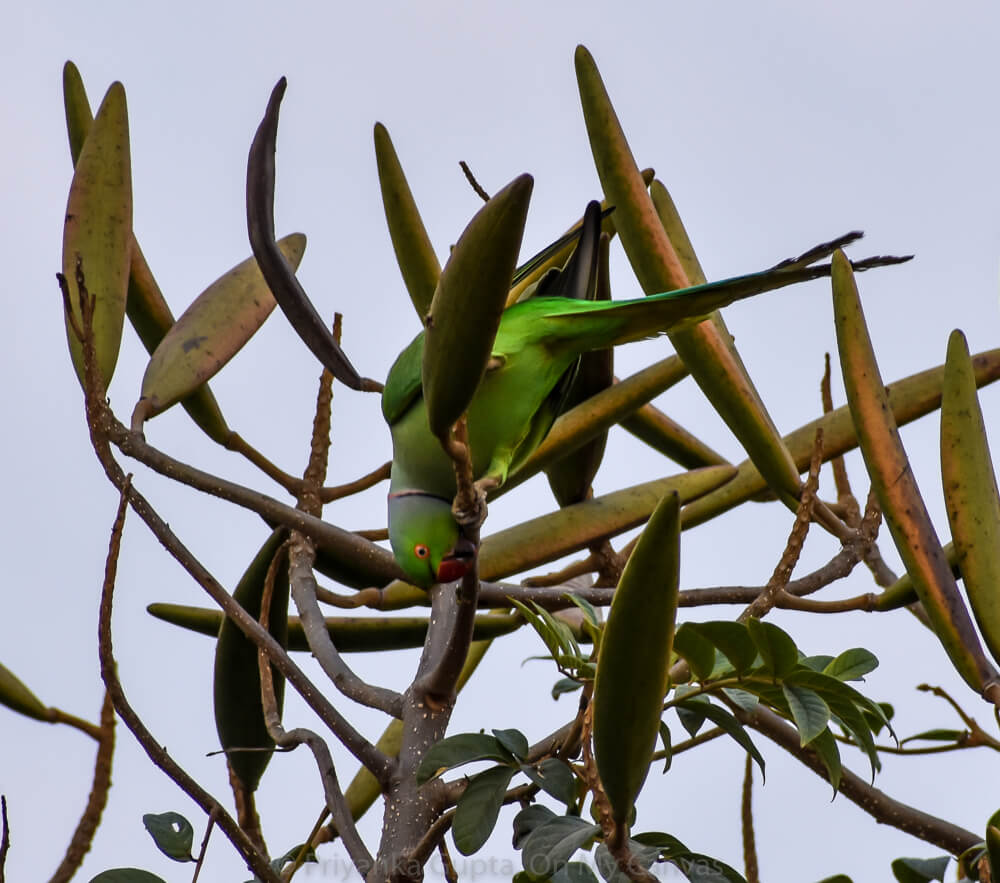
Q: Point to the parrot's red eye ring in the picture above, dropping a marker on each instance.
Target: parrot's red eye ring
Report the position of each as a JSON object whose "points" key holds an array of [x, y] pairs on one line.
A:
{"points": [[421, 551]]}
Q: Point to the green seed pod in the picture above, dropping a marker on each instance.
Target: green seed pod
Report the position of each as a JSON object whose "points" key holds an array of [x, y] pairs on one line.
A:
{"points": [[897, 491], [17, 697], [414, 252], [970, 490], [707, 347], [98, 232], [239, 714], [634, 660], [466, 308]]}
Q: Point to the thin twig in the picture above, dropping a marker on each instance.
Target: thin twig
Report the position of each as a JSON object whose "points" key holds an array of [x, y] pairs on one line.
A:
{"points": [[449, 869], [83, 836], [480, 192], [204, 847], [337, 492], [782, 573], [4, 836], [307, 845], [746, 816]]}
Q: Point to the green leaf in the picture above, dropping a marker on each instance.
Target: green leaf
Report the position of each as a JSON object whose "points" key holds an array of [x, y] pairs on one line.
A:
{"points": [[172, 833], [528, 819], [876, 721], [837, 878], [696, 649], [825, 747], [732, 639], [776, 648], [565, 685], [17, 697], [574, 872], [689, 711], [457, 750], [667, 747], [554, 777], [939, 735], [852, 665], [723, 719], [292, 854], [810, 713], [643, 856], [550, 846], [830, 687], [741, 698], [126, 875], [478, 808], [700, 868], [817, 662], [589, 611], [920, 870], [513, 740]]}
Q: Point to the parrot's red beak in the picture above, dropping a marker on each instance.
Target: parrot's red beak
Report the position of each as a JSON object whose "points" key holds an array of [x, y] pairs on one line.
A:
{"points": [[456, 563]]}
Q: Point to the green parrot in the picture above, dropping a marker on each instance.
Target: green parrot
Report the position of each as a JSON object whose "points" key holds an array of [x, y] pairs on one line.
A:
{"points": [[534, 357]]}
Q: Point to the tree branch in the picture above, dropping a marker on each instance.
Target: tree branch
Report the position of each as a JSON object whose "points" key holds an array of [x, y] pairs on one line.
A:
{"points": [[879, 805]]}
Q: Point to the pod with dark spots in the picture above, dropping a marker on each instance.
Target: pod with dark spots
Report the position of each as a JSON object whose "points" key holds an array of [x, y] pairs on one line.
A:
{"points": [[634, 660], [210, 332], [970, 490], [97, 233], [470, 297], [145, 305]]}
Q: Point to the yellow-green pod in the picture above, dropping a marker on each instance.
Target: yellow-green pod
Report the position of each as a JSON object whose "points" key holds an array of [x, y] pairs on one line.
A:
{"points": [[706, 348], [239, 713], [17, 697], [634, 660], [901, 592], [210, 332], [466, 308], [896, 488], [676, 232], [414, 252], [350, 634], [145, 305], [970, 490], [572, 528], [98, 232]]}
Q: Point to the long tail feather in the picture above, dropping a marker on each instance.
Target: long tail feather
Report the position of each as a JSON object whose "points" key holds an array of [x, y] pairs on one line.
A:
{"points": [[594, 325]]}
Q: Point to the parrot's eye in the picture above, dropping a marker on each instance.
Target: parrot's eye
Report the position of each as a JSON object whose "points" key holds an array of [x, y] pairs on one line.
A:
{"points": [[421, 551]]}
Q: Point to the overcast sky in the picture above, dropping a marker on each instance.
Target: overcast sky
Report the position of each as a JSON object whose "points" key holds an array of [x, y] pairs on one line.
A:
{"points": [[775, 125]]}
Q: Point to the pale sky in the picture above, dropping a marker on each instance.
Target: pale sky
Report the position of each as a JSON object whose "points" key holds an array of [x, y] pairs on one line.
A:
{"points": [[775, 125]]}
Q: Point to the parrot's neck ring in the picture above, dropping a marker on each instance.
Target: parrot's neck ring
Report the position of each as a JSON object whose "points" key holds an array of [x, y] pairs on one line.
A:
{"points": [[394, 495]]}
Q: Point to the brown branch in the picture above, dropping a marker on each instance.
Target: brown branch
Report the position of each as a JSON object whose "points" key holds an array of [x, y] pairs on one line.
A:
{"points": [[303, 588], [879, 805], [4, 836], [256, 860], [746, 816], [449, 869], [337, 492], [83, 836], [702, 737]]}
